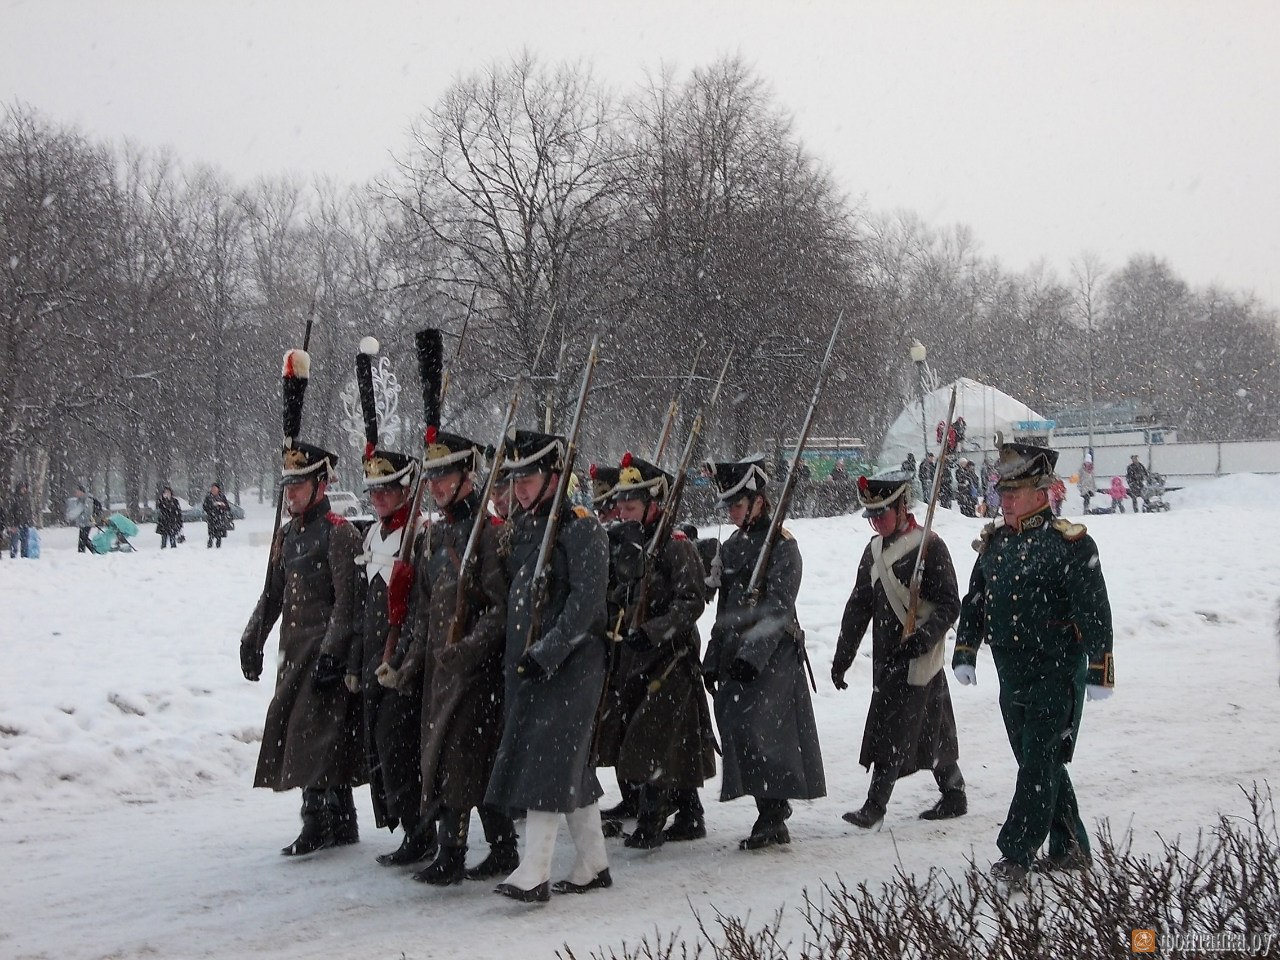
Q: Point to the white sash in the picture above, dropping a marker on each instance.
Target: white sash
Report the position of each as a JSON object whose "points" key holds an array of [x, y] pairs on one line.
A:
{"points": [[925, 667], [380, 554]]}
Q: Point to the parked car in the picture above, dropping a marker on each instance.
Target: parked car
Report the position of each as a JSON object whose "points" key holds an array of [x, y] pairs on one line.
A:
{"points": [[195, 514]]}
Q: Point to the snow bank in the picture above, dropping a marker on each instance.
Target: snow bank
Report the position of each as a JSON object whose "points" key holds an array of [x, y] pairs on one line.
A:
{"points": [[128, 739]]}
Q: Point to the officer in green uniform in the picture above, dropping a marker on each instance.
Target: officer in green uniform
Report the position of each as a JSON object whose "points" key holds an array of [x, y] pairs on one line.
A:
{"points": [[1038, 598]]}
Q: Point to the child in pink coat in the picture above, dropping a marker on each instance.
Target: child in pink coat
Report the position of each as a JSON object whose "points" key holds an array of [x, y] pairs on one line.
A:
{"points": [[1118, 493]]}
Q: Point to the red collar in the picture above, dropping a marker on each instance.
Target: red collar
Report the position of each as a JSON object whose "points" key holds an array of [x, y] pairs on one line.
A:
{"points": [[396, 520]]}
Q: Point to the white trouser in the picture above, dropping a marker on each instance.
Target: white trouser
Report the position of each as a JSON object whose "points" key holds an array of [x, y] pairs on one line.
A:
{"points": [[540, 829], [588, 844]]}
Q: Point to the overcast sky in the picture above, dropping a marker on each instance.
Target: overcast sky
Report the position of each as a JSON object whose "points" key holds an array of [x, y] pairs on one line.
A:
{"points": [[1049, 128]]}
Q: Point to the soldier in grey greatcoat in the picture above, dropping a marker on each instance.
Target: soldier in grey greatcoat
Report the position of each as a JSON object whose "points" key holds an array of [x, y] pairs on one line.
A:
{"points": [[391, 718], [910, 725], [455, 659], [554, 683], [311, 738], [664, 737], [755, 665]]}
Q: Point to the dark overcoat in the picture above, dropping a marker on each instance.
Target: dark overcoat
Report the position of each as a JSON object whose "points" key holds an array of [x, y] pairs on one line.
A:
{"points": [[666, 736], [390, 719], [461, 681], [168, 516], [544, 760], [768, 734], [311, 737], [909, 724], [217, 514]]}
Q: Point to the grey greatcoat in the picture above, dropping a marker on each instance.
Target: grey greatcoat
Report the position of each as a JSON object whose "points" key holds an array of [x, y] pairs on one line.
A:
{"points": [[544, 760], [311, 737], [461, 682], [391, 719], [665, 736], [767, 731], [909, 723]]}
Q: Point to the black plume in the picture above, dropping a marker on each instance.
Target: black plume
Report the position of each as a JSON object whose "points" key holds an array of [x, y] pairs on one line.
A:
{"points": [[368, 403], [431, 372], [297, 370]]}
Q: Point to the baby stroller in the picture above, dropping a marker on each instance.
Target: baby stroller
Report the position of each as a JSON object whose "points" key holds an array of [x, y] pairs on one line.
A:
{"points": [[113, 537], [1153, 491]]}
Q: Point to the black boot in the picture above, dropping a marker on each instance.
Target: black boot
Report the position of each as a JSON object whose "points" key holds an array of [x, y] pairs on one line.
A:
{"points": [[316, 833], [952, 803], [628, 806], [419, 843], [449, 867], [342, 810], [654, 810], [503, 859], [869, 816], [770, 827], [690, 821]]}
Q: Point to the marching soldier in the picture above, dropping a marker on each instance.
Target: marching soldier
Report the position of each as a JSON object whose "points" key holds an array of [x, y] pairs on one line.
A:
{"points": [[666, 743], [391, 719], [553, 686], [910, 725], [458, 651], [1037, 597], [754, 665], [626, 550], [311, 738]]}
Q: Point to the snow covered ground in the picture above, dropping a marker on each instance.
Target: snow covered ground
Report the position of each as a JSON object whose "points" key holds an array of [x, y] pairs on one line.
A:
{"points": [[128, 827]]}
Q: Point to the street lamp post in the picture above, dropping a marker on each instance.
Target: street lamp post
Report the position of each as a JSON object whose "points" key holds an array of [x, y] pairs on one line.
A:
{"points": [[918, 354]]}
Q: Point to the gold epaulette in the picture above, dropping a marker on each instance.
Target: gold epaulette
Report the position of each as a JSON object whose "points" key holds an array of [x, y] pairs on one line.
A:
{"points": [[785, 534], [985, 537], [581, 512], [1070, 531]]}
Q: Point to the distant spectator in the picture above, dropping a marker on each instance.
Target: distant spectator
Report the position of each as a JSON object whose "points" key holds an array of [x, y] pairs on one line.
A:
{"points": [[967, 488], [1087, 485], [839, 472], [4, 530], [1118, 493], [82, 512], [20, 518], [946, 487], [992, 498], [1136, 476], [928, 467], [217, 515], [909, 464], [1057, 496], [168, 519]]}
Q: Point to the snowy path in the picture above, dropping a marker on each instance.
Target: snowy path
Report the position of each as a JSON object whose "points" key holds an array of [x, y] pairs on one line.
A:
{"points": [[127, 742]]}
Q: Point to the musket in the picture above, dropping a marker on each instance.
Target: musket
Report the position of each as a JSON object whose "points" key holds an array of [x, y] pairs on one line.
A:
{"points": [[917, 571], [294, 377], [542, 571], [666, 523], [660, 447], [430, 350], [755, 588], [478, 523]]}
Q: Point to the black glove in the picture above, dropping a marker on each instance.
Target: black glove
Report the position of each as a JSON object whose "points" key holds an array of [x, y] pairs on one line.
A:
{"points": [[710, 681], [914, 644], [639, 641], [742, 671], [529, 668], [250, 661], [837, 677], [328, 672]]}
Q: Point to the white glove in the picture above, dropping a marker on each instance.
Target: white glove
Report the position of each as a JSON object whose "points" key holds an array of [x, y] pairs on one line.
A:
{"points": [[967, 675], [387, 675], [1095, 691], [352, 682]]}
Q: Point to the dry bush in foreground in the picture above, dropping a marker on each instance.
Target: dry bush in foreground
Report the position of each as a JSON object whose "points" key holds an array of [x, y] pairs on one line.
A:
{"points": [[1224, 885]]}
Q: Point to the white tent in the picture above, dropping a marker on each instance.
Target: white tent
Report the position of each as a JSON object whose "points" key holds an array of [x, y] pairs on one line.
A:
{"points": [[985, 410]]}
